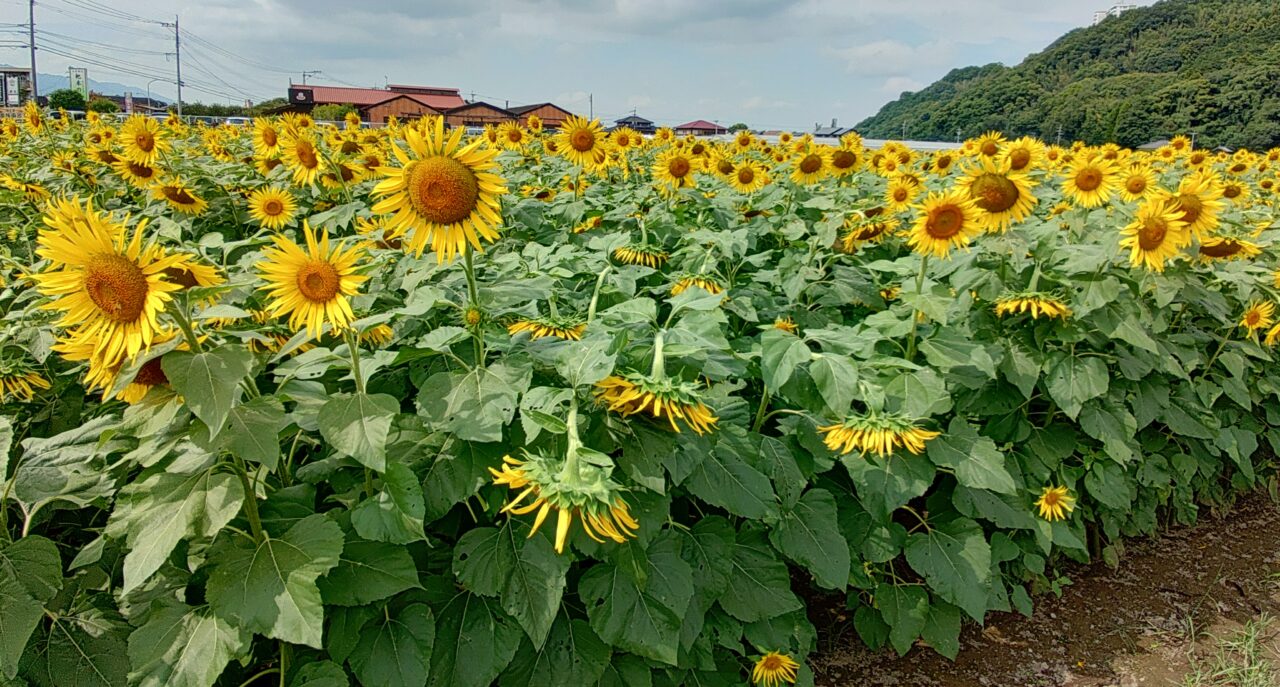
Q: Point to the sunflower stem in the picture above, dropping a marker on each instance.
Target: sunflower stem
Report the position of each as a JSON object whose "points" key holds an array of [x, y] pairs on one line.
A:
{"points": [[595, 294], [915, 314], [250, 498], [184, 323], [353, 347], [473, 293], [570, 471], [659, 370], [1035, 279], [1214, 358], [760, 412]]}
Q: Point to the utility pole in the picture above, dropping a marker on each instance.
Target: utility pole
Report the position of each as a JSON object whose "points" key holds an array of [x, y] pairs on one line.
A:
{"points": [[591, 106], [31, 28], [177, 56], [1059, 141], [313, 73]]}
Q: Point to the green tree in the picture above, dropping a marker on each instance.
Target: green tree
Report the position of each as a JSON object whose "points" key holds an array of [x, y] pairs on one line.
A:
{"points": [[102, 105], [331, 112], [738, 127], [66, 99]]}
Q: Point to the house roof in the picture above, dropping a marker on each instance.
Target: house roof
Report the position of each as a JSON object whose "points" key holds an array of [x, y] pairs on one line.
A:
{"points": [[481, 103], [633, 119], [521, 109], [396, 96], [372, 96], [701, 124]]}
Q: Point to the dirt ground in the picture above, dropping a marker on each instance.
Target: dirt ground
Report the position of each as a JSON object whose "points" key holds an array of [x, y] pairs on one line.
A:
{"points": [[1198, 607]]}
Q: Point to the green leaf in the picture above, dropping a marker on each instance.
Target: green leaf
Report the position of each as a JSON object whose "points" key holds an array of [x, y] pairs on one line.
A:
{"points": [[208, 381], [30, 575], [6, 444], [162, 510], [343, 631], [453, 477], [84, 649], [639, 607], [357, 425], [182, 646], [1072, 381], [724, 479], [837, 379], [885, 484], [1021, 367], [366, 572], [905, 609], [975, 459], [269, 587], [708, 549], [1108, 483], [481, 560], [626, 670], [320, 674], [534, 584], [255, 430], [955, 560], [949, 351], [779, 464], [918, 394], [761, 583], [1113, 425], [396, 513], [478, 404], [582, 363], [572, 656], [395, 649], [781, 353], [809, 535], [474, 643], [942, 629]]}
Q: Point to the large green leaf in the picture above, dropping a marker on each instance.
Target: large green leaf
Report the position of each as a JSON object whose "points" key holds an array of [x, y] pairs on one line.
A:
{"points": [[208, 380], [975, 459], [395, 513], [810, 535], [30, 575], [955, 559], [84, 648], [525, 571], [269, 587], [182, 646], [724, 479], [942, 629], [885, 484], [1072, 380], [320, 674], [708, 549], [395, 649], [761, 584], [638, 606], [905, 609], [836, 379], [572, 656], [475, 640], [781, 352], [357, 425], [368, 571], [255, 430]]}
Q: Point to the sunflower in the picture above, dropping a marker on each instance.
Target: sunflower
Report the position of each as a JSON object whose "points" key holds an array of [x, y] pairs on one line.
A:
{"points": [[946, 221], [870, 226], [445, 193], [1225, 249], [705, 282], [300, 154], [640, 254], [18, 382], [1055, 503], [544, 194], [942, 163], [272, 207], [142, 140], [1138, 182], [179, 196], [899, 194], [743, 140], [845, 161], [1001, 195], [1036, 304], [1156, 234], [1023, 155], [136, 174], [312, 286], [786, 324], [377, 335], [773, 669], [1199, 201], [534, 123], [748, 177], [674, 169], [109, 287], [1259, 315], [1236, 192], [512, 136], [633, 393], [581, 141], [989, 144], [625, 137], [266, 165], [880, 434], [588, 224], [1180, 144], [574, 488], [810, 167], [567, 328], [1090, 182]]}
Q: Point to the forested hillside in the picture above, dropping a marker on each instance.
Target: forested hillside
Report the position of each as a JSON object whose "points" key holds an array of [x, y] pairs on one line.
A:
{"points": [[1208, 67]]}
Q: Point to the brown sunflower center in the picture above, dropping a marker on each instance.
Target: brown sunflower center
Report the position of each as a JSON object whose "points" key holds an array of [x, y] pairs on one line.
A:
{"points": [[350, 147], [1152, 232], [1019, 158], [678, 167], [177, 194], [746, 175], [771, 663], [843, 159], [151, 374], [994, 192], [514, 135], [900, 194], [724, 167], [307, 155], [318, 281], [145, 141], [624, 141], [1222, 249], [273, 207], [181, 276], [945, 222], [117, 286], [582, 140], [944, 161], [1088, 179], [272, 163], [269, 137], [1231, 192], [811, 163], [1135, 184], [870, 231], [1052, 498], [990, 148], [141, 171], [1252, 318], [1191, 207], [442, 190]]}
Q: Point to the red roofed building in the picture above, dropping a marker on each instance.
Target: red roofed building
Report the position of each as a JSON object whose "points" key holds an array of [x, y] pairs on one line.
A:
{"points": [[376, 104], [701, 127]]}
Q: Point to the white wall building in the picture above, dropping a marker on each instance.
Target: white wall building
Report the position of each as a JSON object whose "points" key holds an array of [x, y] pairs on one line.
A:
{"points": [[1115, 11]]}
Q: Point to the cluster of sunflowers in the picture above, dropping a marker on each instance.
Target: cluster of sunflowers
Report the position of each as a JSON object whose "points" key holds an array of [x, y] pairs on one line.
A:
{"points": [[108, 223]]}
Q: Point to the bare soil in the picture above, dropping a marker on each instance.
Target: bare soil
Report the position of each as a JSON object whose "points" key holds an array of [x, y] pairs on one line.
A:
{"points": [[1141, 624]]}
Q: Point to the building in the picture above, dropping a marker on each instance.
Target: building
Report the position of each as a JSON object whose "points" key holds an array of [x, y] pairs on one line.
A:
{"points": [[833, 131], [701, 127], [377, 104], [1115, 11], [478, 113], [15, 84], [552, 115], [639, 124]]}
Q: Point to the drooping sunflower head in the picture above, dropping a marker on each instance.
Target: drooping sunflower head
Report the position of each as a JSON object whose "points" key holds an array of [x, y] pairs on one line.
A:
{"points": [[19, 380], [180, 196], [1055, 503], [312, 286], [272, 207], [706, 282], [632, 393], [773, 669], [945, 221], [136, 174], [786, 324], [588, 224], [871, 225], [557, 327], [378, 335], [1001, 195], [878, 433], [1259, 315], [574, 487], [1036, 304], [444, 192], [640, 254], [1156, 234]]}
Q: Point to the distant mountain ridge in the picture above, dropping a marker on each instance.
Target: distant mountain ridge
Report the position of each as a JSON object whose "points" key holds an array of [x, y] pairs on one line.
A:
{"points": [[1204, 67]]}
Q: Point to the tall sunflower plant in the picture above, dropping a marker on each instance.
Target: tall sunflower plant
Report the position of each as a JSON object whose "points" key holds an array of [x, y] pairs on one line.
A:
{"points": [[400, 406]]}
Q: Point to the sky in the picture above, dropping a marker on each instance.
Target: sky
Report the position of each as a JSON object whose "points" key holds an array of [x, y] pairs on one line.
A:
{"points": [[784, 64]]}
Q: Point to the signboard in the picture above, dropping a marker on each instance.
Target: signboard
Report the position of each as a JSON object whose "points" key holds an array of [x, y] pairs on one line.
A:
{"points": [[11, 96], [301, 95], [79, 80], [128, 103]]}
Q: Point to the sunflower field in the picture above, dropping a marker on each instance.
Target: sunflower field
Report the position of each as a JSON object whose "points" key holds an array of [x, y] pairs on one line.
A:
{"points": [[316, 405]]}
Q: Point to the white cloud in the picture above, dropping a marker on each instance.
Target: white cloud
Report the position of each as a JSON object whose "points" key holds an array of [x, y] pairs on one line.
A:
{"points": [[896, 85], [895, 58]]}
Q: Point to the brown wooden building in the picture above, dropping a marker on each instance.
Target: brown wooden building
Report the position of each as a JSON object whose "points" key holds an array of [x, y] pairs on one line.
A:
{"points": [[552, 115], [403, 107], [478, 113]]}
